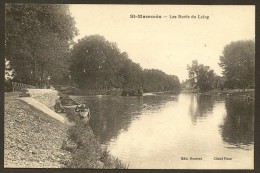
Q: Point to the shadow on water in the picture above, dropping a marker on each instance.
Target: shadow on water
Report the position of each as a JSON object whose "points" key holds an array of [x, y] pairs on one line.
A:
{"points": [[238, 126], [110, 114]]}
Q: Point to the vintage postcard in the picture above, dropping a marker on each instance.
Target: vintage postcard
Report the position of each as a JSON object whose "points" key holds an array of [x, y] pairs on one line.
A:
{"points": [[129, 86]]}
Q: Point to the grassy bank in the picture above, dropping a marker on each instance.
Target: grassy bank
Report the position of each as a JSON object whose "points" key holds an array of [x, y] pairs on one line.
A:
{"points": [[85, 147]]}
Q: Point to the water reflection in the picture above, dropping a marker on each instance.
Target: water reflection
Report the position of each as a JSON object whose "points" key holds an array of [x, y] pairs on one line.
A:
{"points": [[238, 126], [155, 131], [238, 123], [111, 115], [200, 106]]}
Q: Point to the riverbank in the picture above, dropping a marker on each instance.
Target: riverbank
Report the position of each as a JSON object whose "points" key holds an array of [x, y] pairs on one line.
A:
{"points": [[230, 91], [32, 139], [36, 140], [86, 151], [223, 92]]}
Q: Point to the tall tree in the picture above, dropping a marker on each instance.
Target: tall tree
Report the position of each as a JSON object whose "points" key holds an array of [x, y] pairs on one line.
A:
{"points": [[95, 62], [37, 41], [201, 77], [238, 63]]}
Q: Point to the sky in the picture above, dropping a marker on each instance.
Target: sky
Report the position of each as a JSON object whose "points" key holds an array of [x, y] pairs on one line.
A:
{"points": [[171, 42]]}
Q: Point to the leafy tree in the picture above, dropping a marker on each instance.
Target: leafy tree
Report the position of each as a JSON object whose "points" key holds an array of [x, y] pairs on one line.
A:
{"points": [[94, 62], [201, 77], [238, 63], [37, 41], [220, 82], [97, 62]]}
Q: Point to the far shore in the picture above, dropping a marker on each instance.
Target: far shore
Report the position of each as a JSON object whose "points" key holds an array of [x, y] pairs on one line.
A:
{"points": [[223, 92]]}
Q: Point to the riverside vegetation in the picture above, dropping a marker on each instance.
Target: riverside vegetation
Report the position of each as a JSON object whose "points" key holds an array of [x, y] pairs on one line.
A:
{"points": [[86, 151], [47, 54], [238, 64]]}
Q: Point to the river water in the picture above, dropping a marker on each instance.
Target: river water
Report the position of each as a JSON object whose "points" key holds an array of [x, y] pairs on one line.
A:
{"points": [[163, 131]]}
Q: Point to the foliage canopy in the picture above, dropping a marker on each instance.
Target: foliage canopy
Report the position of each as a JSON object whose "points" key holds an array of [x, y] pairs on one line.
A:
{"points": [[201, 77], [238, 63], [98, 62], [37, 41]]}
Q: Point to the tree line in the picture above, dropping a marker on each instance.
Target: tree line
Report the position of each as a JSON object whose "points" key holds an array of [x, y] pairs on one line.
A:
{"points": [[39, 49], [98, 62], [238, 64]]}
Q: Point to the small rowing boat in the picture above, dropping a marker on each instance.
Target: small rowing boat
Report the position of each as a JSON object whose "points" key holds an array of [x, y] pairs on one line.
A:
{"points": [[79, 108]]}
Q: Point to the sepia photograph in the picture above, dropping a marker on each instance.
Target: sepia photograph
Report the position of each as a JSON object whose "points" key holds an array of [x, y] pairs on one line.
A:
{"points": [[112, 86]]}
